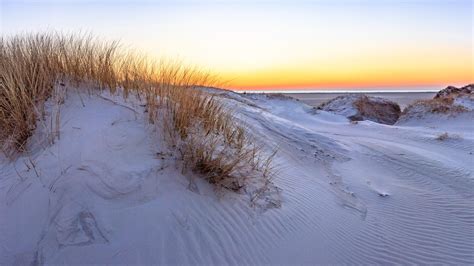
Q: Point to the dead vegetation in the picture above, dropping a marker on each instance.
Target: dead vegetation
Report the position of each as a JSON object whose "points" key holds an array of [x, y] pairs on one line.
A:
{"points": [[360, 107], [382, 111], [454, 91], [196, 124], [31, 66], [445, 136], [441, 105], [448, 103]]}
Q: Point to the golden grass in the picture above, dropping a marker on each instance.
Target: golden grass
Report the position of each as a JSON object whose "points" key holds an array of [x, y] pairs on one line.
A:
{"points": [[441, 105], [31, 65], [385, 112], [196, 124]]}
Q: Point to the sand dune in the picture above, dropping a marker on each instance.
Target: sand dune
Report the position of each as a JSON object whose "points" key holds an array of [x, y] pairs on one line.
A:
{"points": [[402, 98], [350, 193]]}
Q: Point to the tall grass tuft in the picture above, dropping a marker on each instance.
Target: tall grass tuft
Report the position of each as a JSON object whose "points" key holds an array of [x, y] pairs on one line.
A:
{"points": [[31, 65], [196, 124]]}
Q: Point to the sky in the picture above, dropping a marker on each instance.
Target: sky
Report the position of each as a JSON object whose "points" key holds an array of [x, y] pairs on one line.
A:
{"points": [[299, 44]]}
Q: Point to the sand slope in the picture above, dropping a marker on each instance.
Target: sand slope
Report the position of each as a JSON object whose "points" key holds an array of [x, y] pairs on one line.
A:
{"points": [[108, 191]]}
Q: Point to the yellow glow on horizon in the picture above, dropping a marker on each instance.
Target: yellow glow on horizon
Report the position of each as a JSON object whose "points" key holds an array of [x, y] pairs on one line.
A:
{"points": [[400, 68], [282, 44]]}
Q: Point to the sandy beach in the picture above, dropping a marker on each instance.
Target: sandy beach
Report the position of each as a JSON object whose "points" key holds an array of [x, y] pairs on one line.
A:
{"points": [[110, 192], [209, 132]]}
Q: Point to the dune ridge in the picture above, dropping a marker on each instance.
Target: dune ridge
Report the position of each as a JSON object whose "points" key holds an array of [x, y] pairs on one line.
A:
{"points": [[362, 193]]}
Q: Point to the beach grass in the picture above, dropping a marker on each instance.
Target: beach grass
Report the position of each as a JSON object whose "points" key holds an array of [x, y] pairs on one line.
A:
{"points": [[200, 128]]}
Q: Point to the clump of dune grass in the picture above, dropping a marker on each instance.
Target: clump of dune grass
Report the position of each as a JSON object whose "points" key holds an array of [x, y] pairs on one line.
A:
{"points": [[445, 136], [376, 109], [30, 67], [203, 131], [441, 105], [196, 124]]}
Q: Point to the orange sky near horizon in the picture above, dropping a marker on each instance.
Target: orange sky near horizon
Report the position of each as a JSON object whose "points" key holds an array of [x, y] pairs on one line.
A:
{"points": [[414, 72], [279, 44], [402, 70]]}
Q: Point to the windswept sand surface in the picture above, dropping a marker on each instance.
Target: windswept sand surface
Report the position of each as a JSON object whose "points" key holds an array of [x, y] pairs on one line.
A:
{"points": [[402, 98], [360, 193]]}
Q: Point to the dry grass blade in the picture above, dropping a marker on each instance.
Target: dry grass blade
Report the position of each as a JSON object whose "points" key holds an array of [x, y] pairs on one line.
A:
{"points": [[197, 124]]}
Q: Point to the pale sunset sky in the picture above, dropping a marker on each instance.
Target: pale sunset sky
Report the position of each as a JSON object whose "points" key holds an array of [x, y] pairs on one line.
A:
{"points": [[319, 44]]}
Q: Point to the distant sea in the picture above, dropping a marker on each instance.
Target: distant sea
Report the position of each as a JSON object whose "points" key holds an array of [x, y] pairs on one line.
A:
{"points": [[403, 96], [349, 90]]}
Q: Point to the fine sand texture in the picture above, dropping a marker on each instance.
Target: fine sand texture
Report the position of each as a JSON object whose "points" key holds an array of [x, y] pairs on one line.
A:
{"points": [[108, 191]]}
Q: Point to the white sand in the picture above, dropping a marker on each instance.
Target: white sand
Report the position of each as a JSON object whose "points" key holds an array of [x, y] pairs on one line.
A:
{"points": [[351, 193]]}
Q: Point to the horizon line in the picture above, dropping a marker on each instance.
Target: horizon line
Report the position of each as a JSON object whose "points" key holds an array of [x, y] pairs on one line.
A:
{"points": [[368, 89], [421, 87], [336, 91]]}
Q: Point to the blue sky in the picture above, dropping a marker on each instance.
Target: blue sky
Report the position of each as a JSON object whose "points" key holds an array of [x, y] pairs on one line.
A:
{"points": [[279, 43]]}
